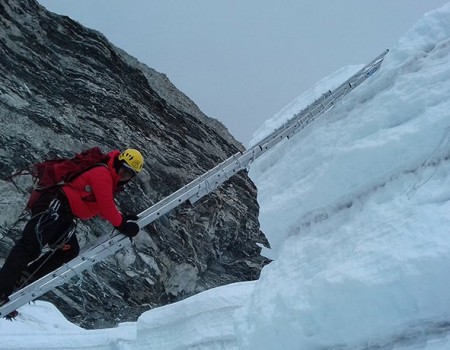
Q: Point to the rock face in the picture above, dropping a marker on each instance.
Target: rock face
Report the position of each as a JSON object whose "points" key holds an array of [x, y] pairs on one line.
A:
{"points": [[65, 88]]}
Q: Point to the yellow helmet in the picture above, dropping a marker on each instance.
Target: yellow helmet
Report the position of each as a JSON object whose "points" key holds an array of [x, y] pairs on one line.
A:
{"points": [[133, 159]]}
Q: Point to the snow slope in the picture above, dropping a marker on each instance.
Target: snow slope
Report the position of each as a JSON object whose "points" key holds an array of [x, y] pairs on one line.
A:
{"points": [[204, 321], [356, 208]]}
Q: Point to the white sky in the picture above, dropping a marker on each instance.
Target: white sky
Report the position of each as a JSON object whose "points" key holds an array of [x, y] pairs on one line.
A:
{"points": [[241, 61]]}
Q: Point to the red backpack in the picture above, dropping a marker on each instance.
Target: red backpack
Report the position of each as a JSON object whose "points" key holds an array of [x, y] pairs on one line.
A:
{"points": [[57, 172]]}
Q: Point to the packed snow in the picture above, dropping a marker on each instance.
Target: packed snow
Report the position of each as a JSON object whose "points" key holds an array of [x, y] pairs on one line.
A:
{"points": [[204, 321], [357, 211]]}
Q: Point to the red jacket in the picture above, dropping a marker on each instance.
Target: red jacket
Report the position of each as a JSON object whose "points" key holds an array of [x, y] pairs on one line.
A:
{"points": [[92, 193]]}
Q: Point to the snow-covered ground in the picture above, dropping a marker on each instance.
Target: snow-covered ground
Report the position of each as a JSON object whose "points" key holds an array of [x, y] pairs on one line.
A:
{"points": [[204, 321], [357, 210]]}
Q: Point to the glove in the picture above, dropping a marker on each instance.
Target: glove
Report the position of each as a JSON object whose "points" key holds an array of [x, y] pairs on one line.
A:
{"points": [[128, 227]]}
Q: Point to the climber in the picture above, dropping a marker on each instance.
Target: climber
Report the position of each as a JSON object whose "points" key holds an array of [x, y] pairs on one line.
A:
{"points": [[89, 194]]}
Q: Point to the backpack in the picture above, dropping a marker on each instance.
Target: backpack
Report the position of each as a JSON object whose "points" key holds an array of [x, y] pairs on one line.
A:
{"points": [[56, 172]]}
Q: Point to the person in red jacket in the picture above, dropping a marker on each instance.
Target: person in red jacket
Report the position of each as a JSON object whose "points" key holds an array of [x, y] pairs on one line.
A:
{"points": [[53, 220]]}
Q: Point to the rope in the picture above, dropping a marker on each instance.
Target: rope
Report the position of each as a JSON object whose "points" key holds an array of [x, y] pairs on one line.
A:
{"points": [[16, 174], [46, 217], [61, 241], [411, 191]]}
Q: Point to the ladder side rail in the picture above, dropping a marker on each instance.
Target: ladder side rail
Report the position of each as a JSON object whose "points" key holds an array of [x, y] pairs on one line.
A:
{"points": [[63, 274], [309, 114], [211, 184], [300, 122], [320, 106], [358, 77], [291, 121], [280, 133], [180, 194], [90, 255], [108, 247], [200, 184], [95, 244], [193, 191]]}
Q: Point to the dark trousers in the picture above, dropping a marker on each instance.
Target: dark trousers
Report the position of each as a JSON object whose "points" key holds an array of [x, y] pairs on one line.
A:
{"points": [[51, 224]]}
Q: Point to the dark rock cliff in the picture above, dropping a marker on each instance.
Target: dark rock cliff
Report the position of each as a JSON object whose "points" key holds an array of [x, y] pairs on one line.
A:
{"points": [[65, 88]]}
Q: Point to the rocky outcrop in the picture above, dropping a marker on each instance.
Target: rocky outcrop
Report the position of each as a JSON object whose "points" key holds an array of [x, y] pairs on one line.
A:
{"points": [[65, 88]]}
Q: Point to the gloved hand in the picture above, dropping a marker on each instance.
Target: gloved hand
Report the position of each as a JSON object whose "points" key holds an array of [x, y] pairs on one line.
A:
{"points": [[128, 227]]}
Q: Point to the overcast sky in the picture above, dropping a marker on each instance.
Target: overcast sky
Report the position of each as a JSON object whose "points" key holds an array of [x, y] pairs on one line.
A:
{"points": [[241, 61]]}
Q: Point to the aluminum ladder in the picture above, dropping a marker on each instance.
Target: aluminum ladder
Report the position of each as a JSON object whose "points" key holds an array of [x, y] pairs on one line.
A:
{"points": [[109, 244]]}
